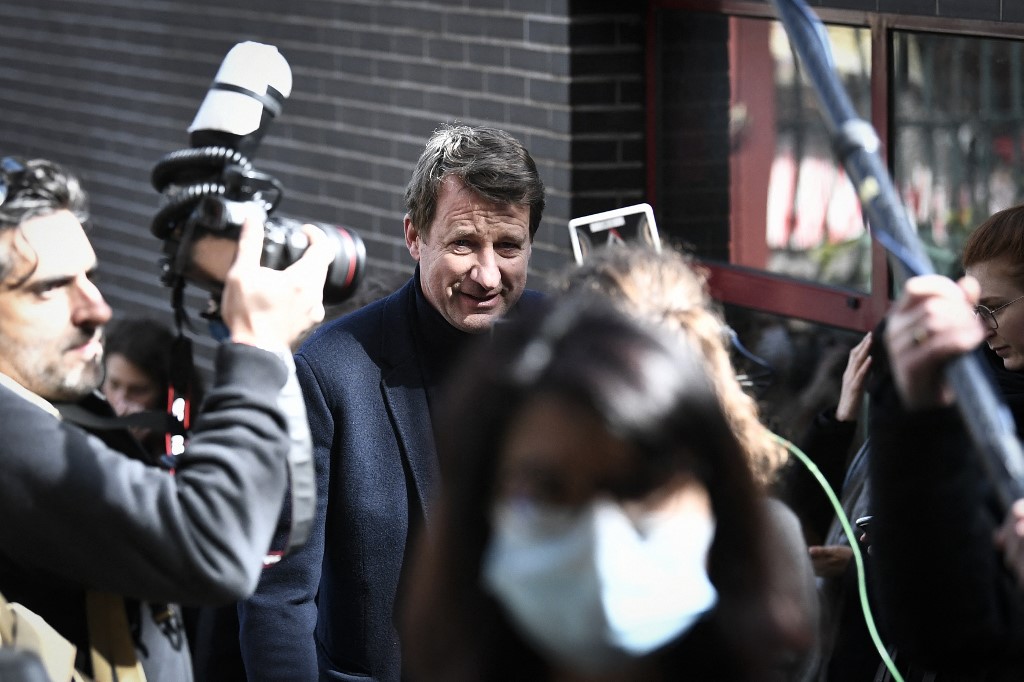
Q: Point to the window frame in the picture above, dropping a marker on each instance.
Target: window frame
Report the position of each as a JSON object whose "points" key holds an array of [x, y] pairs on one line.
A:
{"points": [[780, 294]]}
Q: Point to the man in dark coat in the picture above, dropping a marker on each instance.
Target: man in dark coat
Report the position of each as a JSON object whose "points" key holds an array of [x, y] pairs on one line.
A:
{"points": [[371, 381]]}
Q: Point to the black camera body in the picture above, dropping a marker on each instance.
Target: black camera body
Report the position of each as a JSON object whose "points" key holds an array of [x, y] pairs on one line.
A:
{"points": [[211, 188]]}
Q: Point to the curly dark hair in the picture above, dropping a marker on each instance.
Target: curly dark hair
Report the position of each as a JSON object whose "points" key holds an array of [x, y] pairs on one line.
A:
{"points": [[37, 187], [148, 344]]}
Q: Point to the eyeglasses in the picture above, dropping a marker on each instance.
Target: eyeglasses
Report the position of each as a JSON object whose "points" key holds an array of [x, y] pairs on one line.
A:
{"points": [[988, 315], [12, 172]]}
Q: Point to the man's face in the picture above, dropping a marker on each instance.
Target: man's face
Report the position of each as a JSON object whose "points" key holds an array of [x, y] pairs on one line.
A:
{"points": [[51, 323], [473, 258]]}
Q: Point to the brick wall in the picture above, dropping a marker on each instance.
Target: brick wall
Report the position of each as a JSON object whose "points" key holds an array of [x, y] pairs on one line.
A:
{"points": [[109, 86], [607, 101], [693, 154]]}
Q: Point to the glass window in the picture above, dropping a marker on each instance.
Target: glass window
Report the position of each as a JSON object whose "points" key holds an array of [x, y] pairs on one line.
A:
{"points": [[958, 126], [793, 368], [746, 173]]}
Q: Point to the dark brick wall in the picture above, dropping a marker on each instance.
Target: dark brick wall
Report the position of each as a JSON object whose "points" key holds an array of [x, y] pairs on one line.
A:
{"points": [[693, 152], [607, 105], [109, 86]]}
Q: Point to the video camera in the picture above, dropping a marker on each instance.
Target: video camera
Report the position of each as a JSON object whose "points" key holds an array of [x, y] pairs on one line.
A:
{"points": [[211, 188]]}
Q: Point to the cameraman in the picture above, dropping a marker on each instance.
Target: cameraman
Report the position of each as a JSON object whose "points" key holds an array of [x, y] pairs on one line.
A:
{"points": [[86, 532]]}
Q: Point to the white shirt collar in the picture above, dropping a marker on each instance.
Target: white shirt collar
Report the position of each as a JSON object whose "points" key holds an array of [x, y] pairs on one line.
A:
{"points": [[28, 395]]}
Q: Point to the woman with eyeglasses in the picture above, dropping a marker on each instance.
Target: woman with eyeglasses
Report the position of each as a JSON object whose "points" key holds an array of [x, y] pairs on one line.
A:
{"points": [[946, 581]]}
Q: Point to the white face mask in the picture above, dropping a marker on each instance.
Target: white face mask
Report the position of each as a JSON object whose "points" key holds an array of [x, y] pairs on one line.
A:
{"points": [[594, 589]]}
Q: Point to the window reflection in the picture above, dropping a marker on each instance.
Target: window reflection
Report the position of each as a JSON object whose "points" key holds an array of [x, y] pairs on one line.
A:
{"points": [[794, 369], [958, 119], [746, 171], [814, 225]]}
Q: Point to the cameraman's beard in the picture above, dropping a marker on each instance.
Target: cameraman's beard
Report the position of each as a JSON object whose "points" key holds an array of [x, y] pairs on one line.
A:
{"points": [[78, 382], [57, 372]]}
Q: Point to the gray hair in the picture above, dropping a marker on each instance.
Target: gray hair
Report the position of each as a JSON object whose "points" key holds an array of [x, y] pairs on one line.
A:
{"points": [[489, 161]]}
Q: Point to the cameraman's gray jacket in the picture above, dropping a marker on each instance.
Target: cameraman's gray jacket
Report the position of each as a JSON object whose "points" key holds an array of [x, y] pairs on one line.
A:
{"points": [[76, 514]]}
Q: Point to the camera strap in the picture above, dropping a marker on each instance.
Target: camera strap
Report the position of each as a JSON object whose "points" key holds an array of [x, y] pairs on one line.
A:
{"points": [[149, 419], [94, 414], [179, 394], [270, 101], [299, 510]]}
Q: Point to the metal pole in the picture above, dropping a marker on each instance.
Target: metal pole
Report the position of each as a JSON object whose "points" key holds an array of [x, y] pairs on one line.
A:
{"points": [[856, 144]]}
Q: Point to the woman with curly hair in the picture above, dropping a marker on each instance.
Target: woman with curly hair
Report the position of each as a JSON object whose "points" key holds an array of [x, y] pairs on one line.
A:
{"points": [[669, 288]]}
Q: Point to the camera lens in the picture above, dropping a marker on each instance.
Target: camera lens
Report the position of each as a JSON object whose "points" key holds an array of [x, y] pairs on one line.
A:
{"points": [[285, 242], [346, 272]]}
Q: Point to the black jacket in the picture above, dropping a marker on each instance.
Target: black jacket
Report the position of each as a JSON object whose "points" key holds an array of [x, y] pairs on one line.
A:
{"points": [[328, 609], [947, 601], [76, 514]]}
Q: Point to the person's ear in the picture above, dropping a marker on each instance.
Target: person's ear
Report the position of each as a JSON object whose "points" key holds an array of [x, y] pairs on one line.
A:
{"points": [[412, 238]]}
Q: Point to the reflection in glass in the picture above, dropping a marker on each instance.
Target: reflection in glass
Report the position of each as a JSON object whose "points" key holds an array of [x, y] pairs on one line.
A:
{"points": [[814, 225], [798, 369], [958, 120], [745, 168]]}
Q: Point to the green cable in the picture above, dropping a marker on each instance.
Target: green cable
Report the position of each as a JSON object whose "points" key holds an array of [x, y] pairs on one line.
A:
{"points": [[862, 587]]}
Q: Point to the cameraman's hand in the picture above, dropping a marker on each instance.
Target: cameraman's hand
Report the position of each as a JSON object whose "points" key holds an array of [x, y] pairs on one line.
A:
{"points": [[271, 308]]}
